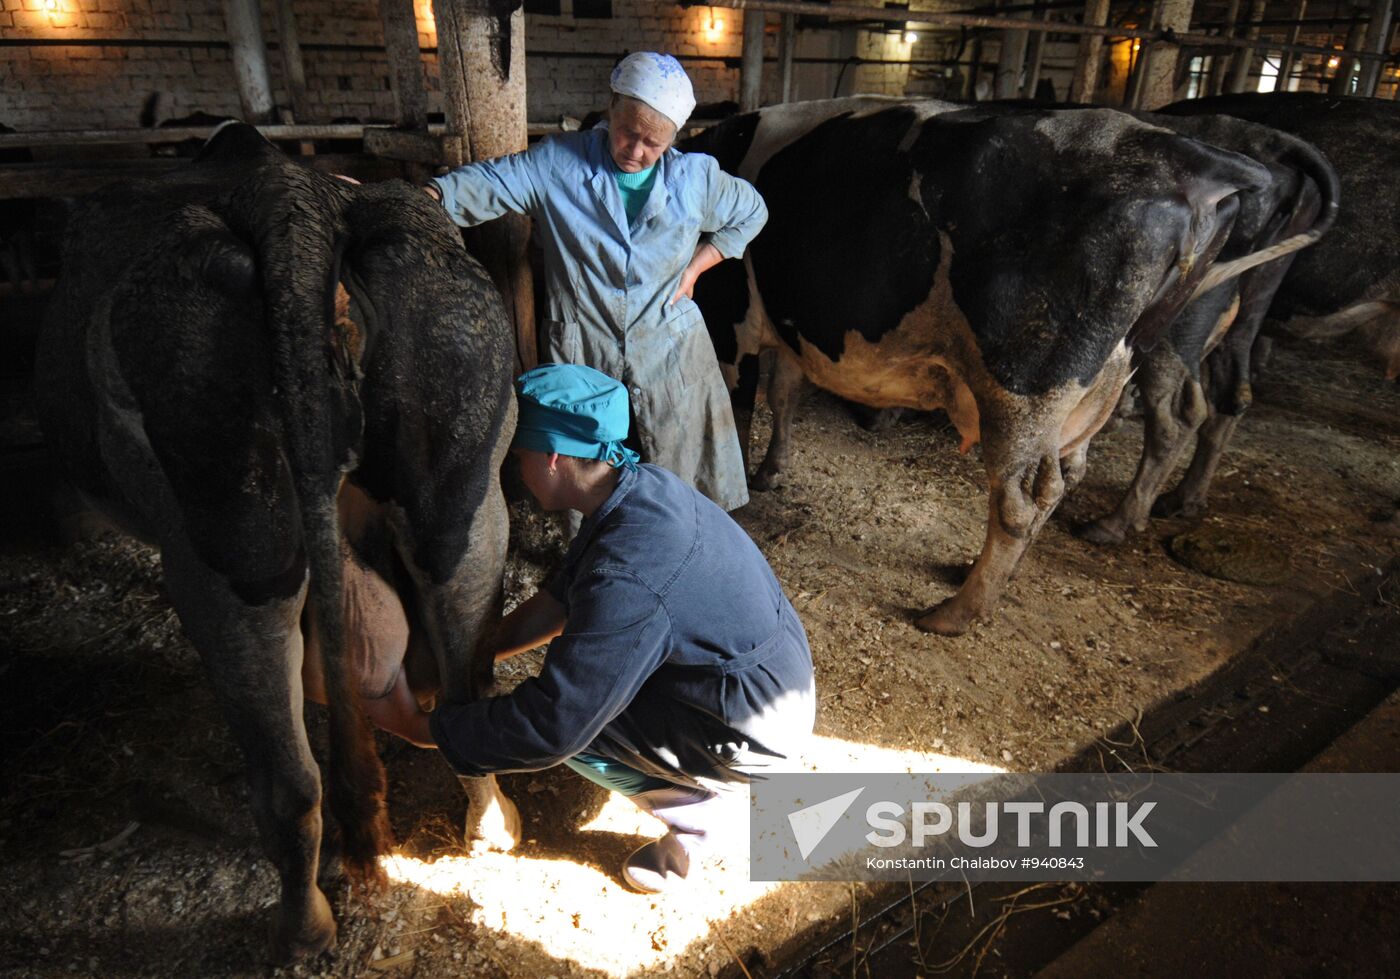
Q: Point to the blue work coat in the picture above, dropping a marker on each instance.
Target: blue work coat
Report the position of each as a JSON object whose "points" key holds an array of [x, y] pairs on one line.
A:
{"points": [[610, 283], [681, 657]]}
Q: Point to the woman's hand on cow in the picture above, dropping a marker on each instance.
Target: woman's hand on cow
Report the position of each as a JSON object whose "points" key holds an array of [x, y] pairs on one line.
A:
{"points": [[532, 623], [706, 257]]}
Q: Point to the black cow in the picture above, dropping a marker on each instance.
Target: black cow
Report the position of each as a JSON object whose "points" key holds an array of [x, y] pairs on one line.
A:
{"points": [[295, 466], [1351, 281], [1198, 379], [999, 265]]}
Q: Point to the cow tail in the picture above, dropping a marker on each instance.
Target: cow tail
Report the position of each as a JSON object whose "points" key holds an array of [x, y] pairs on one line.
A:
{"points": [[1306, 158], [320, 411]]}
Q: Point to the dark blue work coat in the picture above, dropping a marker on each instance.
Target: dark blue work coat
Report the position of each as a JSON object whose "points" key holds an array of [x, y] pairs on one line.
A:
{"points": [[681, 656]]}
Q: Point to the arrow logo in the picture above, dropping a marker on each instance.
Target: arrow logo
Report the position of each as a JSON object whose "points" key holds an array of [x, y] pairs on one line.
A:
{"points": [[810, 825]]}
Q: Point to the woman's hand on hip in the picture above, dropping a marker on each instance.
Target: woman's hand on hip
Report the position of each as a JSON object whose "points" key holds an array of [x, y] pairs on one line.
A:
{"points": [[706, 257]]}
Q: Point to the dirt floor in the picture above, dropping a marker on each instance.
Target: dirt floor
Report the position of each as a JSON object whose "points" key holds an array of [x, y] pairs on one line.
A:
{"points": [[128, 848]]}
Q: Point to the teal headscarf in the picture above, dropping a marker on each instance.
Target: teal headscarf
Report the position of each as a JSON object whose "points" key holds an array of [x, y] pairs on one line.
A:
{"points": [[575, 411]]}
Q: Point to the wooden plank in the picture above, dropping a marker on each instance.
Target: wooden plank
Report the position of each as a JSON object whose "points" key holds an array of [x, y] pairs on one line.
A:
{"points": [[402, 144], [405, 62], [1086, 68], [293, 69], [751, 62]]}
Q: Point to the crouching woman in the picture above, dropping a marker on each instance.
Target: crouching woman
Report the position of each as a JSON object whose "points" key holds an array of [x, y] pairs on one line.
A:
{"points": [[676, 669]]}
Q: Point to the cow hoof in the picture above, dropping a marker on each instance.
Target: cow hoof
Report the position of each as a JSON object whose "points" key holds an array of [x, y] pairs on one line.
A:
{"points": [[301, 937], [946, 619], [763, 481], [496, 829], [1099, 532], [1172, 505]]}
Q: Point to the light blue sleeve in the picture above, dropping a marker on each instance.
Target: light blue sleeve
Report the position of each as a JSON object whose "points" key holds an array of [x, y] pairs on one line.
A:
{"points": [[735, 214], [485, 190]]}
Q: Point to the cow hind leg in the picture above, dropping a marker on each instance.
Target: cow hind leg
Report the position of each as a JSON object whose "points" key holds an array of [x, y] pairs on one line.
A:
{"points": [[785, 386], [252, 655], [1019, 504], [1189, 497], [1174, 407]]}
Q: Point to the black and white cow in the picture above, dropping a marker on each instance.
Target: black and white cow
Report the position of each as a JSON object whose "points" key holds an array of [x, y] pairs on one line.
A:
{"points": [[999, 265], [300, 391], [1197, 382], [1351, 280]]}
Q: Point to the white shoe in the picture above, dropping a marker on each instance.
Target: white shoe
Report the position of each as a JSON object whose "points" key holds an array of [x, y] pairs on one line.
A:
{"points": [[661, 865]]}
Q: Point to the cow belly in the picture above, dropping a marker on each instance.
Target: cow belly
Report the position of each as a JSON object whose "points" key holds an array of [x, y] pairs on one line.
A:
{"points": [[924, 363]]}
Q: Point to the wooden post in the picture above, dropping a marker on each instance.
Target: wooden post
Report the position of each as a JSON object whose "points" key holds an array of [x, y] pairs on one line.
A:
{"points": [[292, 66], [1238, 79], [751, 62], [481, 55], [1137, 73], [969, 92], [1285, 65], [1220, 59], [1377, 38], [1159, 81], [1010, 60], [1341, 81], [243, 20], [1034, 58], [405, 63], [1086, 66], [787, 50]]}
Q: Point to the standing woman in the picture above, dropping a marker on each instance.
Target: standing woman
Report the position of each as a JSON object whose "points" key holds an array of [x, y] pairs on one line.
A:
{"points": [[627, 224]]}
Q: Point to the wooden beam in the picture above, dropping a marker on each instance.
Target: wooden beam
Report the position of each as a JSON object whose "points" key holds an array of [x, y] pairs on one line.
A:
{"points": [[1377, 40], [1220, 60], [481, 56], [292, 68], [243, 20], [1159, 81], [1034, 58], [405, 63], [1086, 67], [1341, 80], [787, 51], [410, 145], [1238, 79], [751, 62], [1010, 60], [1286, 59]]}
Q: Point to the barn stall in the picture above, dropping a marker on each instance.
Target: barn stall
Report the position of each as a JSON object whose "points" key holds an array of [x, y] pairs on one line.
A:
{"points": [[127, 832]]}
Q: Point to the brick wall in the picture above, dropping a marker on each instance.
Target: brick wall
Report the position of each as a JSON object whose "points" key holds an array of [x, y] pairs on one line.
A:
{"points": [[177, 48]]}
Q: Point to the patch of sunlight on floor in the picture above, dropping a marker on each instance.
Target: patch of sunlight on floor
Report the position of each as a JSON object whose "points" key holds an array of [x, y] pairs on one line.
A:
{"points": [[583, 914]]}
